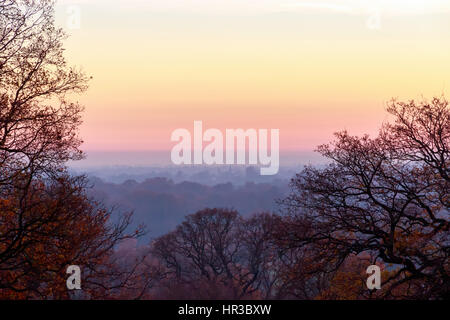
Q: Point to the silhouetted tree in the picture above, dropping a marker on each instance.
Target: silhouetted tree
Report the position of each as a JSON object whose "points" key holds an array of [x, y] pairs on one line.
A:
{"points": [[46, 219], [217, 254], [385, 197]]}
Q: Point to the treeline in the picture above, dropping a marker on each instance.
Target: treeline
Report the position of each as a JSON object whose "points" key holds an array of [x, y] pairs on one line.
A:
{"points": [[162, 204], [217, 254], [382, 201]]}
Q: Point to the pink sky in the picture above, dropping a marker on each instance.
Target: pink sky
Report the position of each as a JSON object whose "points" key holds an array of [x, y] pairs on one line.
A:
{"points": [[306, 70]]}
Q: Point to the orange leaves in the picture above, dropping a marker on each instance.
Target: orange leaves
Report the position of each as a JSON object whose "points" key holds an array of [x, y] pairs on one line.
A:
{"points": [[58, 226]]}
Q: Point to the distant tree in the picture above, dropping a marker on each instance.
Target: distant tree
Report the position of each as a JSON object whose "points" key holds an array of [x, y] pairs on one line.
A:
{"points": [[46, 220], [386, 197]]}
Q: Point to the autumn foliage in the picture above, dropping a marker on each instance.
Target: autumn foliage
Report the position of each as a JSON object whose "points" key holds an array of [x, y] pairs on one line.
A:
{"points": [[47, 222]]}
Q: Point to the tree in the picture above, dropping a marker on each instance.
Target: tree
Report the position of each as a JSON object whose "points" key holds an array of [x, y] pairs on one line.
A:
{"points": [[62, 227], [385, 197], [46, 219], [216, 254], [38, 131]]}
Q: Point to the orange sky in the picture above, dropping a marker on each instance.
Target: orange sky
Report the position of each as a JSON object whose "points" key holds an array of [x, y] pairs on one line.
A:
{"points": [[306, 68]]}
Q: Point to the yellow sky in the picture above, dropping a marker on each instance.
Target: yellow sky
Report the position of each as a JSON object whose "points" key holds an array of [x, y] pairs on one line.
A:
{"points": [[306, 68]]}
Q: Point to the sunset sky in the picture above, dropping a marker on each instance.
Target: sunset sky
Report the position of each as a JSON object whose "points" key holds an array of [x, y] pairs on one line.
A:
{"points": [[308, 68]]}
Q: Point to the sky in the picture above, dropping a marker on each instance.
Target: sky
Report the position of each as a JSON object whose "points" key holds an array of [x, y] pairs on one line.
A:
{"points": [[308, 68]]}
